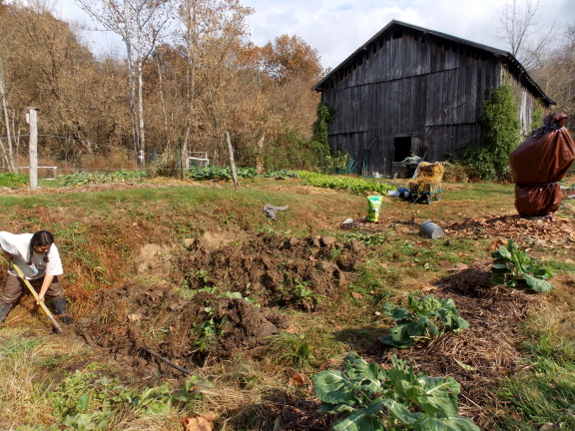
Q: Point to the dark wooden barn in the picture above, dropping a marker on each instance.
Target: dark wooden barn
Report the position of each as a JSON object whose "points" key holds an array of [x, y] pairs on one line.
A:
{"points": [[412, 90]]}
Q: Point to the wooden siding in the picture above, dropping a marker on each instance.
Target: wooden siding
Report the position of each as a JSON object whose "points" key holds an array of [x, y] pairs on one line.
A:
{"points": [[410, 84]]}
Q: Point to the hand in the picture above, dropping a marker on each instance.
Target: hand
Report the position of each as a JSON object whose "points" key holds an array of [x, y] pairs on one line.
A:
{"points": [[40, 298], [8, 256]]}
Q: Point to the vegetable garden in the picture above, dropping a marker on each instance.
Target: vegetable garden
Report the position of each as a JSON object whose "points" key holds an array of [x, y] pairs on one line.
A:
{"points": [[192, 307]]}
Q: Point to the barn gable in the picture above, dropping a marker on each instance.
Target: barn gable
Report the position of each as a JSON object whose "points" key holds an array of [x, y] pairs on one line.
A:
{"points": [[410, 89]]}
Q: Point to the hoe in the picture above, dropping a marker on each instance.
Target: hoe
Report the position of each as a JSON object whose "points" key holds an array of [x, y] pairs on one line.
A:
{"points": [[57, 326]]}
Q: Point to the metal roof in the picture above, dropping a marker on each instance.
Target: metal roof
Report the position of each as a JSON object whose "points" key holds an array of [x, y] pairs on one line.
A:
{"points": [[497, 52]]}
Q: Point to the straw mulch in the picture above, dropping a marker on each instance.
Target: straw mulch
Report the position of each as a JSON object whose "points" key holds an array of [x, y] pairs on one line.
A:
{"points": [[481, 356], [427, 173]]}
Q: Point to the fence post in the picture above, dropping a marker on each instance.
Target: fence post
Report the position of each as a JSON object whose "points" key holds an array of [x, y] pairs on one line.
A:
{"points": [[32, 119], [181, 155]]}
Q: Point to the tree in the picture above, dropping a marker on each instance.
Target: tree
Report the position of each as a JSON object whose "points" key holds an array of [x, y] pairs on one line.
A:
{"points": [[139, 23], [557, 75], [523, 29]]}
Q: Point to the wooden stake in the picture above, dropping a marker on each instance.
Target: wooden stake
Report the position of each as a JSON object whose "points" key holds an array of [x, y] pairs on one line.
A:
{"points": [[32, 119], [232, 163]]}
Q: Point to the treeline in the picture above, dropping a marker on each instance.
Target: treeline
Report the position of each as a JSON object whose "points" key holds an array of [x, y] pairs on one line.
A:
{"points": [[555, 73], [182, 83]]}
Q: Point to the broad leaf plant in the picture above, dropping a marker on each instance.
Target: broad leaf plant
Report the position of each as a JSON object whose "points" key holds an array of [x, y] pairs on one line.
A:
{"points": [[376, 399], [426, 318], [514, 267]]}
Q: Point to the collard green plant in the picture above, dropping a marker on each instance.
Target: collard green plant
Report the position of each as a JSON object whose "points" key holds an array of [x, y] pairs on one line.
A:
{"points": [[426, 318], [514, 267], [377, 399]]}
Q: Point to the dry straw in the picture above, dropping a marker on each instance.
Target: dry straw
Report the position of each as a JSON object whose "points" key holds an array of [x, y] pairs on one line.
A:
{"points": [[427, 173]]}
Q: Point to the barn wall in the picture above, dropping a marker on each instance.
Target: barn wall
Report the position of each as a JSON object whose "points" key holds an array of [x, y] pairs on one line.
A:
{"points": [[410, 85]]}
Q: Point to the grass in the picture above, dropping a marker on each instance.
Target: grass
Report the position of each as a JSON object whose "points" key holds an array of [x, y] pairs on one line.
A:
{"points": [[101, 234]]}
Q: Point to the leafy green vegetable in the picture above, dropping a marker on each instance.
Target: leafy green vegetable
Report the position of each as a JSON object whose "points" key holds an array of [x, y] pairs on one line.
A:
{"points": [[377, 399], [353, 185], [421, 323], [213, 172], [514, 267]]}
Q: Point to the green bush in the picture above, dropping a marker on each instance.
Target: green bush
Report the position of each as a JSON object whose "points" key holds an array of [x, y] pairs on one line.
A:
{"points": [[12, 180], [503, 134]]}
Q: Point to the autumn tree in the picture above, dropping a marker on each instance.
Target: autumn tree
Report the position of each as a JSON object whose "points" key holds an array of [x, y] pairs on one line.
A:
{"points": [[139, 23]]}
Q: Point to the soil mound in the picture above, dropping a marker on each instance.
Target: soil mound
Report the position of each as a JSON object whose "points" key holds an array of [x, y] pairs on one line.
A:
{"points": [[135, 318], [274, 270]]}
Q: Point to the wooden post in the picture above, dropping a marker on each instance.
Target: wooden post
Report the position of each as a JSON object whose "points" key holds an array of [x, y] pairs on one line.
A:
{"points": [[232, 163], [32, 119]]}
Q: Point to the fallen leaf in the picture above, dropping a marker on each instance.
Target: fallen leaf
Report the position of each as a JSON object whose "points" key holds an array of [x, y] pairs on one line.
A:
{"points": [[202, 422], [292, 330], [134, 317], [357, 294], [515, 416], [298, 379], [468, 368], [428, 289], [495, 244]]}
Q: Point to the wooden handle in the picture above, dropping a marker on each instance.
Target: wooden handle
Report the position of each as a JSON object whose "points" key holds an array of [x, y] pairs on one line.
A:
{"points": [[57, 326]]}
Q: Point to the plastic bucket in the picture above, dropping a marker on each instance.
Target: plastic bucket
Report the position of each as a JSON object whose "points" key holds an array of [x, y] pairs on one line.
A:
{"points": [[374, 206], [431, 230]]}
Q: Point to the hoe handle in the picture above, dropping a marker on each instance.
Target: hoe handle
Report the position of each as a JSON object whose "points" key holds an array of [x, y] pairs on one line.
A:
{"points": [[57, 326]]}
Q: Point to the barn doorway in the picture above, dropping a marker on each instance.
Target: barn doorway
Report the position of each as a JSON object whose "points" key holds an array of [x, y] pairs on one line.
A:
{"points": [[401, 148]]}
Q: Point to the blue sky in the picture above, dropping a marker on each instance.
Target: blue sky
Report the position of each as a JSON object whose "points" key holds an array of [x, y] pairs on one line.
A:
{"points": [[336, 28]]}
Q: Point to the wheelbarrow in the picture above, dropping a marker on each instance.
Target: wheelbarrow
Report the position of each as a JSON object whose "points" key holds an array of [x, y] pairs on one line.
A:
{"points": [[426, 192]]}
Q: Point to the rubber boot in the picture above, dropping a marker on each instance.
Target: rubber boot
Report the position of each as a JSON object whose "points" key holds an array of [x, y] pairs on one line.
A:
{"points": [[60, 308], [4, 310]]}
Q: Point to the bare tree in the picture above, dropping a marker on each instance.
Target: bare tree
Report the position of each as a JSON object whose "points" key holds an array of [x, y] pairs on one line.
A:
{"points": [[211, 32], [524, 30], [139, 23]]}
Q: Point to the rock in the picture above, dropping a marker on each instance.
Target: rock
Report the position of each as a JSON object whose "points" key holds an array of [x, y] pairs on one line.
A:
{"points": [[327, 241]]}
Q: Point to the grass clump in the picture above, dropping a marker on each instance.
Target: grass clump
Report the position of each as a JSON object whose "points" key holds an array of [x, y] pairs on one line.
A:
{"points": [[13, 180]]}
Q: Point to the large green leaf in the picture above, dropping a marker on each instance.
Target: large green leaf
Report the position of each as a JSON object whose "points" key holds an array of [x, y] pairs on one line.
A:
{"points": [[363, 419], [538, 284], [334, 387], [500, 268], [400, 412], [455, 423], [440, 395], [425, 305], [335, 408], [400, 315], [504, 253], [452, 321]]}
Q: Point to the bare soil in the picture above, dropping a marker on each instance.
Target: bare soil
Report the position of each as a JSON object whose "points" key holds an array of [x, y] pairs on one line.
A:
{"points": [[197, 326]]}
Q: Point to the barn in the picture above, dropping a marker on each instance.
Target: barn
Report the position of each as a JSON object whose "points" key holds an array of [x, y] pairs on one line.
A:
{"points": [[410, 90]]}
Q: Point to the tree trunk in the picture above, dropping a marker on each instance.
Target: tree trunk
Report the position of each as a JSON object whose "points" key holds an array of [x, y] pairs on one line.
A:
{"points": [[232, 162], [132, 82], [260, 154], [8, 154]]}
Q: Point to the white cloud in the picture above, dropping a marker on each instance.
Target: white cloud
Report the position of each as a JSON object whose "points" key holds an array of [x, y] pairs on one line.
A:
{"points": [[336, 28]]}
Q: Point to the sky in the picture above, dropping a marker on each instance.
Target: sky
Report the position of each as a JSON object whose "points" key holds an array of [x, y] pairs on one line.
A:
{"points": [[336, 28]]}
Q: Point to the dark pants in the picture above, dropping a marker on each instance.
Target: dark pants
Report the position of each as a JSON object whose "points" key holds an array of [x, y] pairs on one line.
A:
{"points": [[15, 288]]}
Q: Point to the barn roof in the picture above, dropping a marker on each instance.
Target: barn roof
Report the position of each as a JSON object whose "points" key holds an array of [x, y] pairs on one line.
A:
{"points": [[511, 60]]}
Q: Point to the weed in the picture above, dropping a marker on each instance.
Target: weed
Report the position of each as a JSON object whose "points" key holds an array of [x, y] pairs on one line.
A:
{"points": [[292, 349]]}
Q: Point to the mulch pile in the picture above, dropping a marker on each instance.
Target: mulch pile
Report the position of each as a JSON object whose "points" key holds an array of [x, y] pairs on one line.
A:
{"points": [[543, 231]]}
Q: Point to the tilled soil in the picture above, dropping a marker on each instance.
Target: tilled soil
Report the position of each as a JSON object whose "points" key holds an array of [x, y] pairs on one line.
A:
{"points": [[201, 323]]}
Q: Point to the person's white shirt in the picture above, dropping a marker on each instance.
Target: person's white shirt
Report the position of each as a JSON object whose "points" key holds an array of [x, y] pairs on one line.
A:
{"points": [[19, 247]]}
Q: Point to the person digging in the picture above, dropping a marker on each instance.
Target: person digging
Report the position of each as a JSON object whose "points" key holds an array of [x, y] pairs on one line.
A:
{"points": [[38, 259]]}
